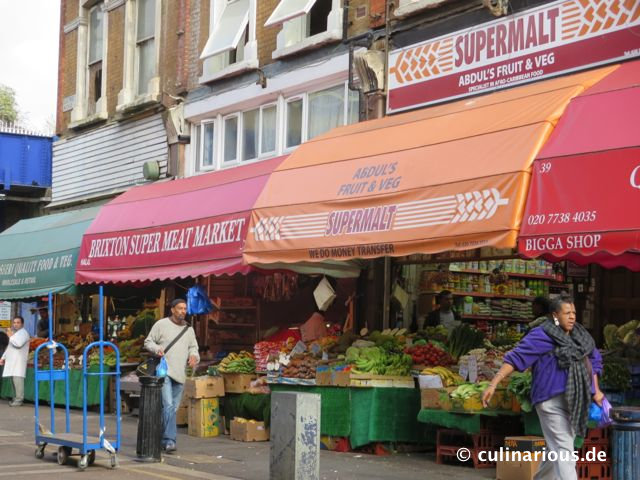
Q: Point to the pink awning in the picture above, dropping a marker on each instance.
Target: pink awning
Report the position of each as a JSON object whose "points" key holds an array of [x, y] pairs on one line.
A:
{"points": [[176, 229]]}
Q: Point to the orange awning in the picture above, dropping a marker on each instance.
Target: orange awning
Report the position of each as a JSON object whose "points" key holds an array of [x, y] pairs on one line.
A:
{"points": [[450, 177]]}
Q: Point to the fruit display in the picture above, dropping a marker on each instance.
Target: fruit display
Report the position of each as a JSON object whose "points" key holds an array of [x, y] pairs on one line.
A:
{"points": [[429, 355], [468, 390], [242, 362], [464, 338], [301, 366], [262, 351], [449, 378], [488, 362], [35, 342], [439, 333], [378, 361]]}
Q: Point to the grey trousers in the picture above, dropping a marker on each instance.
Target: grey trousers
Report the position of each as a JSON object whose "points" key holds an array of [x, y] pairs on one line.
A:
{"points": [[559, 436], [18, 386]]}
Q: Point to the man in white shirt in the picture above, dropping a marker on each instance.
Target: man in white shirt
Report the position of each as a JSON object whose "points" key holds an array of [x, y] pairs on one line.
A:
{"points": [[14, 358], [444, 315]]}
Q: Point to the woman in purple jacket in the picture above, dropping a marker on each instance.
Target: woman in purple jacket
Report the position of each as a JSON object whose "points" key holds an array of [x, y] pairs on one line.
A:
{"points": [[565, 365]]}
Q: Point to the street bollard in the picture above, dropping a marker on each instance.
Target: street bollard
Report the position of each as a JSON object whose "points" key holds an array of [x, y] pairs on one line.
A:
{"points": [[295, 436], [150, 430]]}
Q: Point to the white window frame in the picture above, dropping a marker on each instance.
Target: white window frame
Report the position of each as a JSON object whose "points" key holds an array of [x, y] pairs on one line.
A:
{"points": [[289, 41], [274, 152], [128, 97], [277, 100], [236, 161], [80, 112], [218, 66], [303, 134], [200, 158]]}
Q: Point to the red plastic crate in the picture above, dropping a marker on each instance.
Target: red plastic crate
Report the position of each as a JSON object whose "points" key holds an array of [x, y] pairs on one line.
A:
{"points": [[597, 447], [593, 471], [449, 441], [597, 435]]}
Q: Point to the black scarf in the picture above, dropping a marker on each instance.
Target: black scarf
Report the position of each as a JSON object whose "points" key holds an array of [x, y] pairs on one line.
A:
{"points": [[572, 351]]}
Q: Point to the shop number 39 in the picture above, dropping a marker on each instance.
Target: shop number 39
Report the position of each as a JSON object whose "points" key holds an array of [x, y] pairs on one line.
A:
{"points": [[566, 217]]}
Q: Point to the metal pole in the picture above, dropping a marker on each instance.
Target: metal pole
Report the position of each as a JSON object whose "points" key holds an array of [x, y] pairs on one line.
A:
{"points": [[101, 319], [386, 298], [52, 405]]}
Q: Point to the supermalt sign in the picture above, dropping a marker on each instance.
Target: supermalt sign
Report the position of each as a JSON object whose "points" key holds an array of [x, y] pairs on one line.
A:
{"points": [[542, 42]]}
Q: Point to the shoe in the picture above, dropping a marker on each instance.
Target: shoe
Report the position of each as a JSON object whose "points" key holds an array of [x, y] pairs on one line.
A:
{"points": [[15, 404], [169, 448]]}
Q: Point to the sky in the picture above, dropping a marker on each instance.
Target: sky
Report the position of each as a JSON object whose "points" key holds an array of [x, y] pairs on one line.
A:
{"points": [[29, 41]]}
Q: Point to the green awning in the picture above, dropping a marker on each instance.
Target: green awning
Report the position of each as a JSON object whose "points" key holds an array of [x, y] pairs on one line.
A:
{"points": [[39, 255]]}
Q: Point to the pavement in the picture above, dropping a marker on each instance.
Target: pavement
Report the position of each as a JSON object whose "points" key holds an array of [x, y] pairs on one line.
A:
{"points": [[217, 458]]}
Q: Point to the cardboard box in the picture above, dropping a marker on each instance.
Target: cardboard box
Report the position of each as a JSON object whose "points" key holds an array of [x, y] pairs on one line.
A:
{"points": [[435, 398], [204, 387], [323, 377], [182, 416], [527, 443], [237, 382], [514, 470], [341, 378], [249, 431], [204, 417]]}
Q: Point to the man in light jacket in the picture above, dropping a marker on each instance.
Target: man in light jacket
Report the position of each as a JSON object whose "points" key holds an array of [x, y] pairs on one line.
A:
{"points": [[185, 351], [14, 358]]}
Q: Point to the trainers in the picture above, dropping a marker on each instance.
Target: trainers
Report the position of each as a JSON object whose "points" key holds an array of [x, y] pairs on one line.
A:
{"points": [[169, 448], [15, 404]]}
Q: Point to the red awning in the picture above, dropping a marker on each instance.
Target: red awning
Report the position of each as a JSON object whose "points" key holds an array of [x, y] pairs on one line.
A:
{"points": [[182, 228], [584, 201]]}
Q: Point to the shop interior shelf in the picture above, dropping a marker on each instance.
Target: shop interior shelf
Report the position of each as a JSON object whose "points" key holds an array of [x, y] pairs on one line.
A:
{"points": [[483, 294], [234, 325], [495, 319], [518, 275]]}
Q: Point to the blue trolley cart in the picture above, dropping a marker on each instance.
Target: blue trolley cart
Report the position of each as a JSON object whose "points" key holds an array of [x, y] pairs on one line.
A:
{"points": [[85, 444]]}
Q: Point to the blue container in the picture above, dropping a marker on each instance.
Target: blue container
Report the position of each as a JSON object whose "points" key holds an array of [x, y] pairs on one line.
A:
{"points": [[625, 443]]}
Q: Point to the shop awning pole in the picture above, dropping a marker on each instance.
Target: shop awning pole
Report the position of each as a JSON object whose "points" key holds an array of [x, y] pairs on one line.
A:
{"points": [[386, 299]]}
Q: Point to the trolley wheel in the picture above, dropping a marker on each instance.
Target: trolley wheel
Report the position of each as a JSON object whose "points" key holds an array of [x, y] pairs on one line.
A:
{"points": [[92, 457], [83, 462], [40, 451], [63, 455], [114, 461]]}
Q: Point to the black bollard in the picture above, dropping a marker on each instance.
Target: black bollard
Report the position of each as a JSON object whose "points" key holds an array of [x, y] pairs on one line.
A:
{"points": [[150, 430]]}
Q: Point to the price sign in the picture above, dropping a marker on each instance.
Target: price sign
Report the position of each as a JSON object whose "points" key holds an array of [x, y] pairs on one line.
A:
{"points": [[464, 371], [5, 314], [473, 368]]}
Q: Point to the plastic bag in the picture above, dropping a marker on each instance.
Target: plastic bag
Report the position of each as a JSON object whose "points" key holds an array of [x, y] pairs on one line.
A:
{"points": [[600, 415], [198, 301], [162, 368], [605, 418]]}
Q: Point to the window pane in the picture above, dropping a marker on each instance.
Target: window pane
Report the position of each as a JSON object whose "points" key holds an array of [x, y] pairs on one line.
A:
{"points": [[95, 35], [207, 146], [146, 19], [268, 130], [354, 107], [326, 110], [250, 134], [230, 139], [294, 123], [146, 64]]}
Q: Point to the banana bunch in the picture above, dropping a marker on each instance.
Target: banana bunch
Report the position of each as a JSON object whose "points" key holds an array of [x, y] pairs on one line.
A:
{"points": [[449, 378], [242, 362]]}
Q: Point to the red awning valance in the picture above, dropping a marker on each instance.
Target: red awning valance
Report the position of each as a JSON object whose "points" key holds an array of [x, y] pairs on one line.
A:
{"points": [[183, 228], [584, 200]]}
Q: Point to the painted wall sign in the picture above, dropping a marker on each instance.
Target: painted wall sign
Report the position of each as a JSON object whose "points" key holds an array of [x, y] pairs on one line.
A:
{"points": [[550, 40]]}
